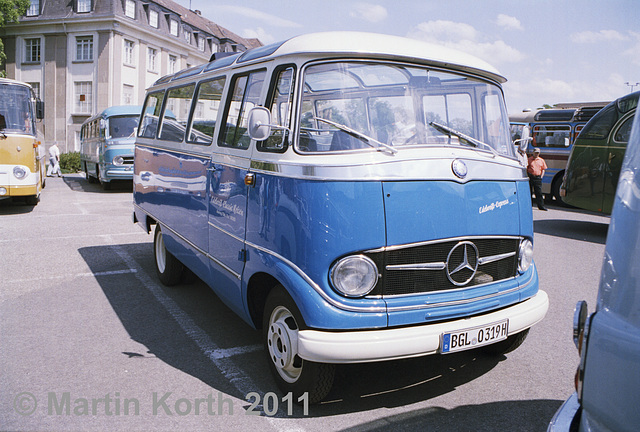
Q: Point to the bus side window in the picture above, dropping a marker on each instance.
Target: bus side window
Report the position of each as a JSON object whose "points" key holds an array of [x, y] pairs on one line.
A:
{"points": [[624, 132], [245, 94], [280, 100], [176, 113], [151, 110], [207, 106]]}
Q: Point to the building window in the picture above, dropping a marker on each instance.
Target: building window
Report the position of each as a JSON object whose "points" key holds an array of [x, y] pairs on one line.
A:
{"points": [[34, 8], [83, 6], [84, 48], [83, 97], [32, 50], [153, 18], [36, 88], [127, 94], [173, 27], [214, 47], [152, 55], [201, 43], [173, 63], [130, 9], [128, 53]]}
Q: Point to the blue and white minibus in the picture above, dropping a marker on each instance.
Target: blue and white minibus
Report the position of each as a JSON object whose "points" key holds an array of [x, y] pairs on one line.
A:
{"points": [[357, 197], [106, 144]]}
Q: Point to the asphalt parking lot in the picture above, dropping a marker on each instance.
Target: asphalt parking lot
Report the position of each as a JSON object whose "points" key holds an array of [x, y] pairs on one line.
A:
{"points": [[90, 340]]}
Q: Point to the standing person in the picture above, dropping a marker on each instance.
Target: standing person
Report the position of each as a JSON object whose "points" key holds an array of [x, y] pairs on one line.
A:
{"points": [[54, 160], [535, 168]]}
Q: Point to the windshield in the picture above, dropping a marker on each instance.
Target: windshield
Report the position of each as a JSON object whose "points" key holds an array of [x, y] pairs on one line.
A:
{"points": [[122, 126], [16, 113], [373, 106]]}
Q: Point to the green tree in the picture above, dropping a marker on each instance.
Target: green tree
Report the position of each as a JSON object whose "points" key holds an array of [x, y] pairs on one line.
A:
{"points": [[10, 11]]}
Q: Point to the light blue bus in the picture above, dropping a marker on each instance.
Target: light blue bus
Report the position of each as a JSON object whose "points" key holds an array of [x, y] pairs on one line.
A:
{"points": [[357, 197], [106, 144]]}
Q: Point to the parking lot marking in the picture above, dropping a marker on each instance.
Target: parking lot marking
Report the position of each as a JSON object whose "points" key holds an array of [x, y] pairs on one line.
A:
{"points": [[223, 362]]}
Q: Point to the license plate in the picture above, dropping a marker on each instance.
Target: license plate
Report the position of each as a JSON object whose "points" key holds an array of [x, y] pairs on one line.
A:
{"points": [[475, 337]]}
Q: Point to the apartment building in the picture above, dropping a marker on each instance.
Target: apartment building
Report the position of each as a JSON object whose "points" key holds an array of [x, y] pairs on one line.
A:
{"points": [[82, 56]]}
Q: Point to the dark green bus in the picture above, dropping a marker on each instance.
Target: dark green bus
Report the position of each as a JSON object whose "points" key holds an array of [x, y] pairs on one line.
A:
{"points": [[594, 165]]}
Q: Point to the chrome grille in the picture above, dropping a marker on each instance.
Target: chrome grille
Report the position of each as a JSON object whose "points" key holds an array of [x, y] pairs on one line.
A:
{"points": [[446, 265]]}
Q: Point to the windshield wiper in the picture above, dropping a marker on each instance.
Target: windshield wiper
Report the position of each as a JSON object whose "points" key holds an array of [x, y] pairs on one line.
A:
{"points": [[463, 138], [371, 141]]}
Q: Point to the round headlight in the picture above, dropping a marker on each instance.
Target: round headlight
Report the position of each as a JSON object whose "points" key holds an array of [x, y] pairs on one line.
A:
{"points": [[354, 276], [525, 255], [118, 160], [3, 191], [20, 172]]}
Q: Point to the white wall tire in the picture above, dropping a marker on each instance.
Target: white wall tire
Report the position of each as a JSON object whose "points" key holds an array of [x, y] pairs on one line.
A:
{"points": [[281, 323], [168, 268]]}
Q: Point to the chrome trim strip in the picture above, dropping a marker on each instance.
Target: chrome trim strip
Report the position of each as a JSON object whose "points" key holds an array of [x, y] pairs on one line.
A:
{"points": [[442, 266], [423, 266], [411, 168], [494, 258], [235, 237], [460, 302], [451, 239]]}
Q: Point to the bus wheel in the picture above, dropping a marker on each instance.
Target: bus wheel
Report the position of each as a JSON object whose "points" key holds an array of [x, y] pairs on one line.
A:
{"points": [[280, 326], [555, 190], [507, 345], [86, 174], [168, 268]]}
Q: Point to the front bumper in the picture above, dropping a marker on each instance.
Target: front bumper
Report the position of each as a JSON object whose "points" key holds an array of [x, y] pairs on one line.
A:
{"points": [[396, 343]]}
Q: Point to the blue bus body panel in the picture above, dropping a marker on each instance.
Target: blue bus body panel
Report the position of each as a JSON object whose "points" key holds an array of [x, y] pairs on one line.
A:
{"points": [[226, 233], [431, 210], [311, 224], [172, 187]]}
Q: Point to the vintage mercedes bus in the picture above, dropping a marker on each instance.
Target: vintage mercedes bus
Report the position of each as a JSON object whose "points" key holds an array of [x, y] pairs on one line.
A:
{"points": [[22, 154], [594, 165], [553, 132], [106, 144], [357, 197]]}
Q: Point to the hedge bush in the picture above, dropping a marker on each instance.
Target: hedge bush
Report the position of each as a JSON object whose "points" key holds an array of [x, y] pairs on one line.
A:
{"points": [[70, 162]]}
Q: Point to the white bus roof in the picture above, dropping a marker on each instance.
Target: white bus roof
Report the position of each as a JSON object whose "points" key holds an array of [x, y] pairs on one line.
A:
{"points": [[367, 45], [385, 45]]}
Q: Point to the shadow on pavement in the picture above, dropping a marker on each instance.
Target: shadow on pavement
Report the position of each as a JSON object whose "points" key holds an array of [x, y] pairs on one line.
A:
{"points": [[357, 388]]}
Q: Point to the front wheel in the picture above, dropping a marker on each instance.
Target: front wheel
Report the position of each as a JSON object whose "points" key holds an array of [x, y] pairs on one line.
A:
{"points": [[281, 323], [168, 268]]}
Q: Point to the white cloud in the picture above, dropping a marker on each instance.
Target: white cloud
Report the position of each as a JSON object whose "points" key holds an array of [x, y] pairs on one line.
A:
{"points": [[369, 12], [465, 37], [273, 20], [443, 31], [594, 37], [509, 22], [259, 33], [633, 53]]}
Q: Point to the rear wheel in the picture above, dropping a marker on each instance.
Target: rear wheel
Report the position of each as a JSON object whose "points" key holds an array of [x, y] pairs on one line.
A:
{"points": [[507, 345], [281, 323], [168, 268]]}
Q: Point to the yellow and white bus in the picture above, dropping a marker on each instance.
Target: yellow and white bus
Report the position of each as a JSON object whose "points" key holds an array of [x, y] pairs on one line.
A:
{"points": [[22, 155]]}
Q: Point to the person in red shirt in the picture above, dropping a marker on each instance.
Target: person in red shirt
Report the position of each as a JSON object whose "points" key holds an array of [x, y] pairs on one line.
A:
{"points": [[535, 169]]}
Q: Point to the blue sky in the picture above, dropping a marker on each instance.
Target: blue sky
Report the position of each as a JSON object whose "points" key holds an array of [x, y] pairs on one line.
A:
{"points": [[551, 51]]}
